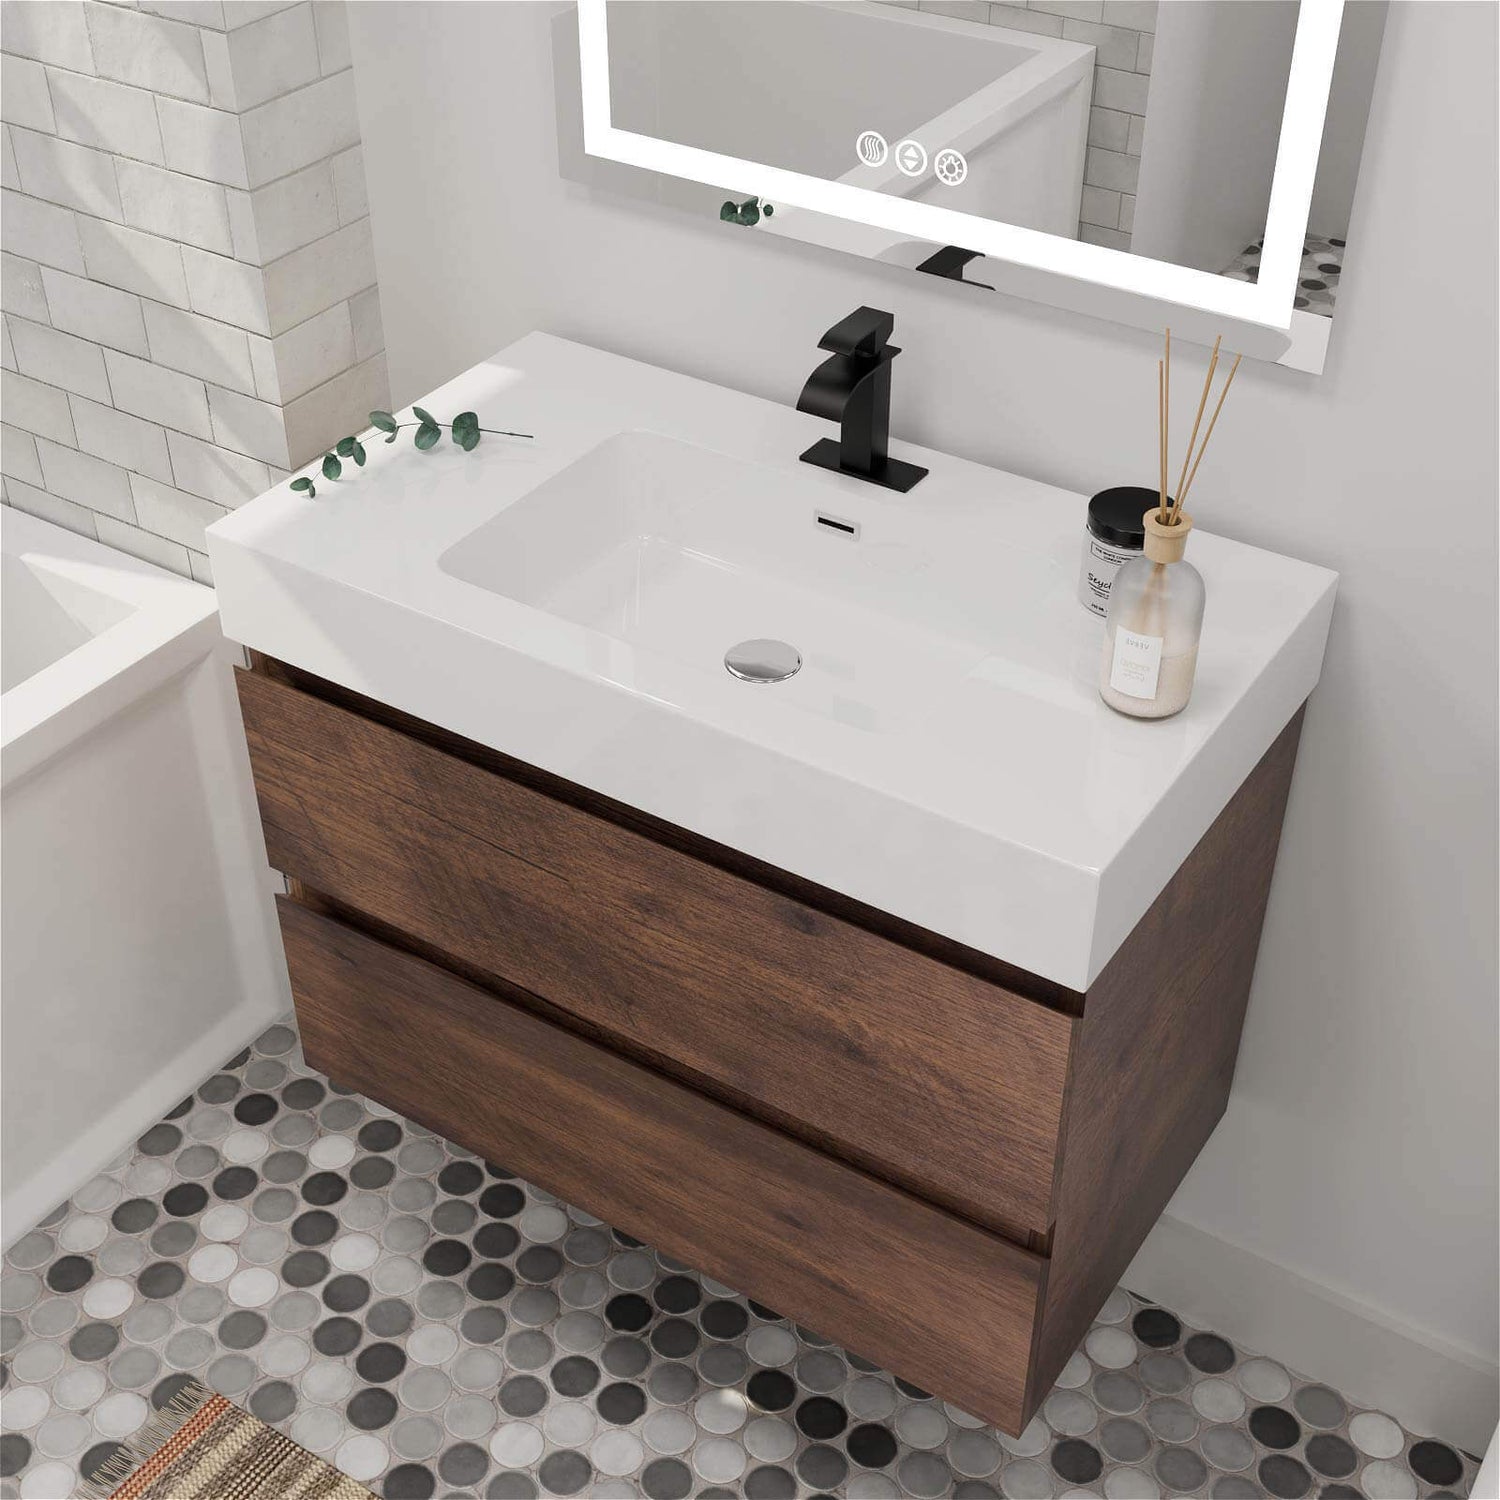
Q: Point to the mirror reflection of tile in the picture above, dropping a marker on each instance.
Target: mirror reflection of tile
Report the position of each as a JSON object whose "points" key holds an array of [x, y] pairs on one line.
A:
{"points": [[1318, 283], [1123, 41]]}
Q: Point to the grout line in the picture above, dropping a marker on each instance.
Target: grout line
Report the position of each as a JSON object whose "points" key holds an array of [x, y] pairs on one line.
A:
{"points": [[317, 43], [202, 380], [178, 245], [161, 166], [358, 364], [153, 421]]}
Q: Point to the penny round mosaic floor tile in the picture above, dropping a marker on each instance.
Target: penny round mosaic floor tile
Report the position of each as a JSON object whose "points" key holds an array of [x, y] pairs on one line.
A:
{"points": [[1118, 1391], [1025, 1479], [1320, 1407], [1264, 1380], [437, 1327], [1376, 1435], [1069, 1413], [78, 1389], [54, 1318], [1124, 1440], [1128, 1483], [1218, 1401], [1285, 1478], [1435, 1463], [1034, 1438], [1383, 1480], [1113, 1348]]}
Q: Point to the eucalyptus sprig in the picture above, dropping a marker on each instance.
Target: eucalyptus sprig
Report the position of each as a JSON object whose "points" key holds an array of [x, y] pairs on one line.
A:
{"points": [[465, 430]]}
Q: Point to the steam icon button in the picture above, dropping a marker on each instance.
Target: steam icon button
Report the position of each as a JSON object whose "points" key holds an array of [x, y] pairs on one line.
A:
{"points": [[871, 148], [950, 166], [911, 158]]}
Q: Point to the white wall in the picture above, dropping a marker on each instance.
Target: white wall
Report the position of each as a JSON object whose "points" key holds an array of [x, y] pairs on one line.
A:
{"points": [[1348, 109], [1359, 1150]]}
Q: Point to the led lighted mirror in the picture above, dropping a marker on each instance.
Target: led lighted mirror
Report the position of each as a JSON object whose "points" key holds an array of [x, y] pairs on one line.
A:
{"points": [[1191, 162]]}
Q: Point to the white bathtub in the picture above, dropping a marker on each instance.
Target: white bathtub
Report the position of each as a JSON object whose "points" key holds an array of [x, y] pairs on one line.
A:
{"points": [[140, 946]]}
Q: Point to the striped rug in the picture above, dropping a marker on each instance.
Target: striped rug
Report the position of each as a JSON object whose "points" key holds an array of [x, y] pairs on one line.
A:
{"points": [[201, 1447]]}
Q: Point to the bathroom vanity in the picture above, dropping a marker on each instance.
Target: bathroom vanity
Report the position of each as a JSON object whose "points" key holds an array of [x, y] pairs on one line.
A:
{"points": [[898, 995]]}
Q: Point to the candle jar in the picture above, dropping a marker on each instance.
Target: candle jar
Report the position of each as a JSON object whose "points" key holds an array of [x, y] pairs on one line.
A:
{"points": [[1112, 537], [1151, 633]]}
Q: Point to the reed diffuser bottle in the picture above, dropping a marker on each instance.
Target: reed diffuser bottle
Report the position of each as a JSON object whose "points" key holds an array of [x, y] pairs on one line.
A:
{"points": [[1150, 654], [1155, 618]]}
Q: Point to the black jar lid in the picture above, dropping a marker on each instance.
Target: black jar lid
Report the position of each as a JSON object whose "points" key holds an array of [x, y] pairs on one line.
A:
{"points": [[1117, 515]]}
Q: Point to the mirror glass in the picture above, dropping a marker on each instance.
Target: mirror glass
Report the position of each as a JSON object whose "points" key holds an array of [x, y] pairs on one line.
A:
{"points": [[1143, 128]]}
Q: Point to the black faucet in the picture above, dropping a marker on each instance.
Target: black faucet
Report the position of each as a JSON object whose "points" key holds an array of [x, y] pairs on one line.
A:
{"points": [[853, 388]]}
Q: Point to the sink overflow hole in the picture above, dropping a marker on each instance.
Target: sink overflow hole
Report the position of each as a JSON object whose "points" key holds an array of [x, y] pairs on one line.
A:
{"points": [[835, 523]]}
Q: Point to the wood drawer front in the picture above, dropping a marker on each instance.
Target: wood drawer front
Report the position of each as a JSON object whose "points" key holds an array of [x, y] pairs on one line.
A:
{"points": [[917, 1070], [932, 1297]]}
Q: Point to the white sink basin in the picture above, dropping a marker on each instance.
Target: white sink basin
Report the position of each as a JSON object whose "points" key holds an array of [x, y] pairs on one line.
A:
{"points": [[942, 754], [680, 551]]}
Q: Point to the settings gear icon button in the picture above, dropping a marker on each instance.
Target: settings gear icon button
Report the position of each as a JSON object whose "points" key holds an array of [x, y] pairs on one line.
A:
{"points": [[950, 166]]}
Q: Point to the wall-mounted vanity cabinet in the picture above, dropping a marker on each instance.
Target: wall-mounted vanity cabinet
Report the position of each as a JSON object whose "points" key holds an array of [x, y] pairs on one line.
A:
{"points": [[899, 995]]}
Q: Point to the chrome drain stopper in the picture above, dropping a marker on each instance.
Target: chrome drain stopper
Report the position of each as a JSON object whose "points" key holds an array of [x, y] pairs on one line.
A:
{"points": [[763, 661]]}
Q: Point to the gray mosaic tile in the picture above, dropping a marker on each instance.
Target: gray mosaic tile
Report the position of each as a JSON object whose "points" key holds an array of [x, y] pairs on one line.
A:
{"points": [[436, 1327]]}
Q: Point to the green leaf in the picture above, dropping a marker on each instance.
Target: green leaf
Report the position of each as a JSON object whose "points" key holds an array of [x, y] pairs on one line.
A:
{"points": [[391, 438], [427, 434], [466, 419], [383, 420], [357, 452], [768, 210], [332, 468], [750, 214], [304, 484], [422, 416], [345, 447], [467, 439], [728, 212]]}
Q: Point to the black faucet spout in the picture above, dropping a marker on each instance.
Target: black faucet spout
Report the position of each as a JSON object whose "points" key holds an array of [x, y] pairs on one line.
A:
{"points": [[837, 381], [853, 388]]}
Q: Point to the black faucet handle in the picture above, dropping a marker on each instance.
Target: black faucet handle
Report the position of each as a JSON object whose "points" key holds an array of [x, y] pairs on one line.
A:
{"points": [[862, 334]]}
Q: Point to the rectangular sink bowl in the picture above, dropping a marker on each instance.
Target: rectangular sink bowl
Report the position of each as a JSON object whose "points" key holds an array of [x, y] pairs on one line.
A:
{"points": [[682, 552]]}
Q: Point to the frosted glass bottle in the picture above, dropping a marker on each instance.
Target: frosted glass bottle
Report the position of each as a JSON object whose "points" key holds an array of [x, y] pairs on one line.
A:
{"points": [[1151, 632]]}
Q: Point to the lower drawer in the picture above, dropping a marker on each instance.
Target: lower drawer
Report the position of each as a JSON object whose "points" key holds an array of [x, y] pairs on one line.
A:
{"points": [[931, 1297]]}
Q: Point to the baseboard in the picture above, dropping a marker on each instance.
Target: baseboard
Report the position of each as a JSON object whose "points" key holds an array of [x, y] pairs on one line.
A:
{"points": [[1432, 1387], [25, 1204]]}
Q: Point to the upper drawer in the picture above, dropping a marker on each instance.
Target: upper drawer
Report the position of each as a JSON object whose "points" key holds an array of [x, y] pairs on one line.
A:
{"points": [[928, 1075]]}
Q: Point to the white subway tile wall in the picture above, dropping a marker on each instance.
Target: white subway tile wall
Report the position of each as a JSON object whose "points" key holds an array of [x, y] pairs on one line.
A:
{"points": [[1122, 33], [187, 276]]}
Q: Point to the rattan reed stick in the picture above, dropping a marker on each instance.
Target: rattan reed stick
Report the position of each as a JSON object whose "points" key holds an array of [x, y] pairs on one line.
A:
{"points": [[1187, 457], [1193, 473], [1161, 441], [1166, 418]]}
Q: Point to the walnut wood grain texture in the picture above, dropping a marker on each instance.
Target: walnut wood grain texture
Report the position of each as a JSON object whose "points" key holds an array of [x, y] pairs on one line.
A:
{"points": [[933, 1298], [930, 1076], [1154, 1055], [672, 836]]}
